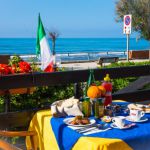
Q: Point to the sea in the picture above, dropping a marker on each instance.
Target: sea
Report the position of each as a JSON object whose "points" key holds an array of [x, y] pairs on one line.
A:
{"points": [[68, 49]]}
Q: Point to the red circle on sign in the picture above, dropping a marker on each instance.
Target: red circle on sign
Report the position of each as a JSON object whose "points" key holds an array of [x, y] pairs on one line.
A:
{"points": [[127, 20]]}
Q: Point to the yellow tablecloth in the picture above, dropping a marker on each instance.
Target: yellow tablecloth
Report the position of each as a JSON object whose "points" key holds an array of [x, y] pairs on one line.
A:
{"points": [[45, 139]]}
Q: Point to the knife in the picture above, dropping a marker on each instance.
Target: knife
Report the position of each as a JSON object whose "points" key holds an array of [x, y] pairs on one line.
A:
{"points": [[88, 129]]}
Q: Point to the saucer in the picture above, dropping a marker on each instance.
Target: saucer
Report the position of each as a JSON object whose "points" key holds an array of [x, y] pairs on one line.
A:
{"points": [[143, 119], [125, 127]]}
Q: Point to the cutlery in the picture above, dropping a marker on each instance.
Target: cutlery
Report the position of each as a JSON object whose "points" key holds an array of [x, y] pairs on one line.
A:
{"points": [[95, 131], [88, 130], [87, 127], [95, 126]]}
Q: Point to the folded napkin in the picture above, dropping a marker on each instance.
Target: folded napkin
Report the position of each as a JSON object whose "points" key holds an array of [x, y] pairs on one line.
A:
{"points": [[68, 107]]}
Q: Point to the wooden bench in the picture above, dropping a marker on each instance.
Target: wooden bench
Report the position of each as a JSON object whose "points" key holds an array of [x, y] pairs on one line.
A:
{"points": [[107, 60]]}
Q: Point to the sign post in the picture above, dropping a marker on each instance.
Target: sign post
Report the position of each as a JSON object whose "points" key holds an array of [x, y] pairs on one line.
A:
{"points": [[127, 30], [127, 47]]}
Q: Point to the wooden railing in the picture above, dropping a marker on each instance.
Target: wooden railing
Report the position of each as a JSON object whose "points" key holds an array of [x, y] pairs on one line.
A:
{"points": [[65, 77], [11, 119]]}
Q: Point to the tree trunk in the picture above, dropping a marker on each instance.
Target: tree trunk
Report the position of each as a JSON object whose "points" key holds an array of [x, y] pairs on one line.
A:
{"points": [[53, 45]]}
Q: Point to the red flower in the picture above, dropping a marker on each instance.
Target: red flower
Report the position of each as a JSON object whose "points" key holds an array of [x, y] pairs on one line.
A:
{"points": [[13, 69], [24, 67], [4, 69]]}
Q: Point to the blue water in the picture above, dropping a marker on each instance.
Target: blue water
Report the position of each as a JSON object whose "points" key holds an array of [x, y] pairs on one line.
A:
{"points": [[75, 45], [72, 45]]}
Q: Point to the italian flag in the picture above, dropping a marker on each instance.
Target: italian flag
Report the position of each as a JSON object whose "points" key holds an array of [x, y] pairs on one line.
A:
{"points": [[43, 49]]}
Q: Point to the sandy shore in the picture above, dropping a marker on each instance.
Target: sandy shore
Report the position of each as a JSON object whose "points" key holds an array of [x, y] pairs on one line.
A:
{"points": [[92, 65]]}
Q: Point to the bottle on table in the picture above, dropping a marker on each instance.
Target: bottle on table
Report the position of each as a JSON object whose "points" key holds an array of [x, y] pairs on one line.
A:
{"points": [[108, 86], [86, 107], [101, 108]]}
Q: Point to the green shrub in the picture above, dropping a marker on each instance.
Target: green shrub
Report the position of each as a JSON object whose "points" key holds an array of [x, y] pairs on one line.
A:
{"points": [[41, 97]]}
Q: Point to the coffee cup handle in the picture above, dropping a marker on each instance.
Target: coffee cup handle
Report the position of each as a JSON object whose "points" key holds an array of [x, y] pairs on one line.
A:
{"points": [[113, 120], [142, 113]]}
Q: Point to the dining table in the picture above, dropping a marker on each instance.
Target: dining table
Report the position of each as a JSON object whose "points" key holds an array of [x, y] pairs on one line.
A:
{"points": [[54, 134]]}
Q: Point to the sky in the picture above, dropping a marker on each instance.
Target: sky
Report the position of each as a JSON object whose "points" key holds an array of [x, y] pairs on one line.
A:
{"points": [[71, 18]]}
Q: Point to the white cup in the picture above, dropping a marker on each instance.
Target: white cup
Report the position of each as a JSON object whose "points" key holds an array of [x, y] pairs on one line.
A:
{"points": [[119, 121], [136, 115]]}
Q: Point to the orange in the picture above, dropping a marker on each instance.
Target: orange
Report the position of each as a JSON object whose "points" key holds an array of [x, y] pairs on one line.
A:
{"points": [[93, 92], [102, 89]]}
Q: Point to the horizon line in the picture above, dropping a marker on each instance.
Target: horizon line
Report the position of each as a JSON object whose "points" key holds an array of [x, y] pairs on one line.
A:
{"points": [[70, 38]]}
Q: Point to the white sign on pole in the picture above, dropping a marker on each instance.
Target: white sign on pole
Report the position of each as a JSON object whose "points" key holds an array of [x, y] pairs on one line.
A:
{"points": [[127, 24]]}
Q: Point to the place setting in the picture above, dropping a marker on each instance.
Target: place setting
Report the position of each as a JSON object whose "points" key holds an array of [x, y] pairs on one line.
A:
{"points": [[85, 126], [120, 122], [125, 122], [137, 116]]}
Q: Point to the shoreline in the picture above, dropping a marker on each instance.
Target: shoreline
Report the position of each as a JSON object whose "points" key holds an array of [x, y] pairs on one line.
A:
{"points": [[79, 57]]}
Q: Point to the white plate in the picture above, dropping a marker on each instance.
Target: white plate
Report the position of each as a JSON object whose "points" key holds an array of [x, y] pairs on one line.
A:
{"points": [[68, 120], [144, 106], [125, 127], [141, 106], [143, 119]]}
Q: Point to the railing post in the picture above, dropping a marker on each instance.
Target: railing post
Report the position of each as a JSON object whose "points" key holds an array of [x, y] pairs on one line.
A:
{"points": [[88, 56], [77, 90], [7, 101], [124, 53]]}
